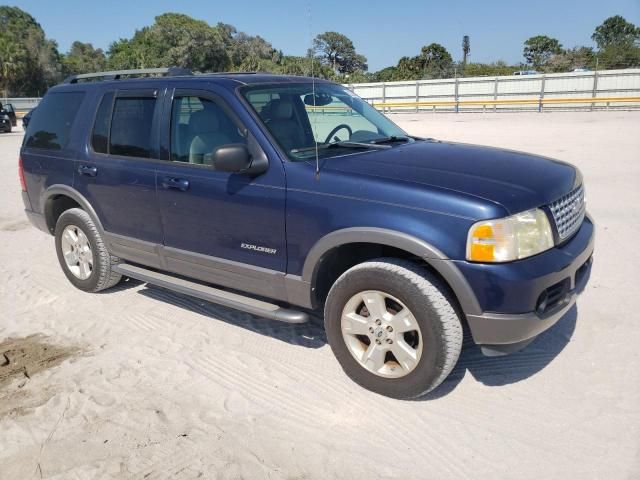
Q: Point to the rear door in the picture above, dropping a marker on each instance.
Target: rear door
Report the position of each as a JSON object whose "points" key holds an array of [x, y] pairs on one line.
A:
{"points": [[117, 172], [222, 227]]}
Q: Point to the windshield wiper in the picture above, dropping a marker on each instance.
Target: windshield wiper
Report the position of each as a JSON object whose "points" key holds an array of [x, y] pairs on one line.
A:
{"points": [[391, 139], [341, 144]]}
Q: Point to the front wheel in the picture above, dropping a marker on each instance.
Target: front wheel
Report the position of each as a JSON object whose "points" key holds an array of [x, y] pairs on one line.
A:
{"points": [[392, 328]]}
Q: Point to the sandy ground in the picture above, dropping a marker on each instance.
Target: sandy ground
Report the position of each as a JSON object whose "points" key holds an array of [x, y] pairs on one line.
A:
{"points": [[159, 385]]}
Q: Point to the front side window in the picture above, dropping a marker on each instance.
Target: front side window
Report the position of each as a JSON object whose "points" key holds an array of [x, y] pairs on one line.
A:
{"points": [[50, 127], [198, 127], [131, 126], [333, 120]]}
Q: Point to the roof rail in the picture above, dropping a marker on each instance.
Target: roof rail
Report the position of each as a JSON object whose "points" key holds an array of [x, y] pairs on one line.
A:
{"points": [[117, 74]]}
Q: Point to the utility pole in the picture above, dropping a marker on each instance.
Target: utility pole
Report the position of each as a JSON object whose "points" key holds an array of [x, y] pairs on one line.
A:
{"points": [[466, 48]]}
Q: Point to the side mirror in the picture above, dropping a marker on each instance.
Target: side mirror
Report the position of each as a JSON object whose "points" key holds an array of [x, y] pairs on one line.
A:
{"points": [[237, 158], [231, 158]]}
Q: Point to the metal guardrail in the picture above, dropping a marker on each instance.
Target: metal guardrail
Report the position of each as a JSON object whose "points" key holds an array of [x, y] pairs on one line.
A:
{"points": [[528, 101]]}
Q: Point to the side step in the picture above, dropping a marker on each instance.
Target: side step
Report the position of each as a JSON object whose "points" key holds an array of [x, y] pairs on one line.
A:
{"points": [[214, 295]]}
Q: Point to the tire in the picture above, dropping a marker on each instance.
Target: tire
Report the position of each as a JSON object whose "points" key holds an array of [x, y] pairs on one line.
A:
{"points": [[101, 274], [402, 284]]}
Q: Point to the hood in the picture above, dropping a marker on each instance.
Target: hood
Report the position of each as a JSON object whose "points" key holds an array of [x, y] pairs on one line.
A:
{"points": [[517, 181]]}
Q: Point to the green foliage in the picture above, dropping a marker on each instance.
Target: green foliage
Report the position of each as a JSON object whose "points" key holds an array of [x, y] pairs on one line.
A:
{"points": [[619, 56], [616, 31], [618, 43], [29, 62], [539, 49], [174, 39], [434, 61], [499, 68], [337, 51], [82, 58], [572, 58], [388, 74]]}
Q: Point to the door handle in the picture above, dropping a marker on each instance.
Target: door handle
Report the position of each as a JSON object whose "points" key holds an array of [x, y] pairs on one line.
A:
{"points": [[87, 170], [175, 183]]}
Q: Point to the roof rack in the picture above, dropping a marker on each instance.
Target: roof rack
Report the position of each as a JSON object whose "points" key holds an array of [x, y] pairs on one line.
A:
{"points": [[118, 74]]}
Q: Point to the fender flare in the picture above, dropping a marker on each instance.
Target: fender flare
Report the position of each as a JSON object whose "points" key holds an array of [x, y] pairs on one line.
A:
{"points": [[430, 254], [46, 204]]}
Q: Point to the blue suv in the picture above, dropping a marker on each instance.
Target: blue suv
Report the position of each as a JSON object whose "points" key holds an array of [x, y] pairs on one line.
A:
{"points": [[280, 195]]}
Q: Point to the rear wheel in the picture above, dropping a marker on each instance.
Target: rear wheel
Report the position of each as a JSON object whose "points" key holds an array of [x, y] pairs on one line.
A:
{"points": [[82, 253], [392, 328]]}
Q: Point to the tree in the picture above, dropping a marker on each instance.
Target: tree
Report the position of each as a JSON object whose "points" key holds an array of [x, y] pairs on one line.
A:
{"points": [[83, 58], [29, 62], [173, 40], [337, 51], [387, 74], [572, 58], [616, 31], [435, 61], [490, 69], [619, 56], [617, 42], [466, 49], [539, 49]]}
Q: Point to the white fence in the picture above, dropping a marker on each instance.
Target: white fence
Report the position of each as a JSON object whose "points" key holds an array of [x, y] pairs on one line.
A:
{"points": [[21, 105], [577, 90], [603, 89]]}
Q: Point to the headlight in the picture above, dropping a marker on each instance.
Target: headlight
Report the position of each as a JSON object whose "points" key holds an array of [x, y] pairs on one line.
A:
{"points": [[5, 117], [506, 239]]}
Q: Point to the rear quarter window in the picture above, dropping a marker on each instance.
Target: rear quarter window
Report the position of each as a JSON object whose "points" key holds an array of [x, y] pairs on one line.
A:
{"points": [[50, 127]]}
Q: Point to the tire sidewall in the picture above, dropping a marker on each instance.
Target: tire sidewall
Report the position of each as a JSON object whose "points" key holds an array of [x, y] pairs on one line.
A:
{"points": [[72, 218], [432, 360]]}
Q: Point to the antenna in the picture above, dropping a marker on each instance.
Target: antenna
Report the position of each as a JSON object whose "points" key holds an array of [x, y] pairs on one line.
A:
{"points": [[313, 90]]}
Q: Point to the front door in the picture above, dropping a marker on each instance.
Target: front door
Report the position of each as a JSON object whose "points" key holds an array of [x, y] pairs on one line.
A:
{"points": [[225, 228]]}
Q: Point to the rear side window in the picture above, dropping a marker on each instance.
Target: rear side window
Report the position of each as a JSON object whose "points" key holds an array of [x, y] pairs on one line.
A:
{"points": [[100, 135], [131, 126], [50, 127]]}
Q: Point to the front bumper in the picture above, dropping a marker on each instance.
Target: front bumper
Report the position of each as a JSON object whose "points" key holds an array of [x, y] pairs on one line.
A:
{"points": [[517, 293]]}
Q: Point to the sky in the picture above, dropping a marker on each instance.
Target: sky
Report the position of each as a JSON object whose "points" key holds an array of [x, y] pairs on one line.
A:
{"points": [[383, 31]]}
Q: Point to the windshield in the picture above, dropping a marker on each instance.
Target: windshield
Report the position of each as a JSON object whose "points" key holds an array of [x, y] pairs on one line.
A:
{"points": [[335, 120]]}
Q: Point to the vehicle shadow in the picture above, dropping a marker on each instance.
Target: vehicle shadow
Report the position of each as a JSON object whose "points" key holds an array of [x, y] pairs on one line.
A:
{"points": [[491, 371], [310, 334], [126, 284], [513, 368]]}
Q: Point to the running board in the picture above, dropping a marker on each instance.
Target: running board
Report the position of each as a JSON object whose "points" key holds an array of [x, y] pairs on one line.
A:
{"points": [[214, 295]]}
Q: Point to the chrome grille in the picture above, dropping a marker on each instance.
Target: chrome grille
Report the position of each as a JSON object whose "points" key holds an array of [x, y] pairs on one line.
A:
{"points": [[568, 212]]}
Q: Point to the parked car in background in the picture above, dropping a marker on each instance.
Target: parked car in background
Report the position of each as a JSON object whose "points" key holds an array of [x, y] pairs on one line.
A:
{"points": [[5, 122], [7, 109], [526, 72], [27, 118], [237, 188]]}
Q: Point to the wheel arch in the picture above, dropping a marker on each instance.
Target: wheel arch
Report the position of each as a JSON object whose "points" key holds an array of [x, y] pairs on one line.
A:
{"points": [[70, 198], [404, 244]]}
